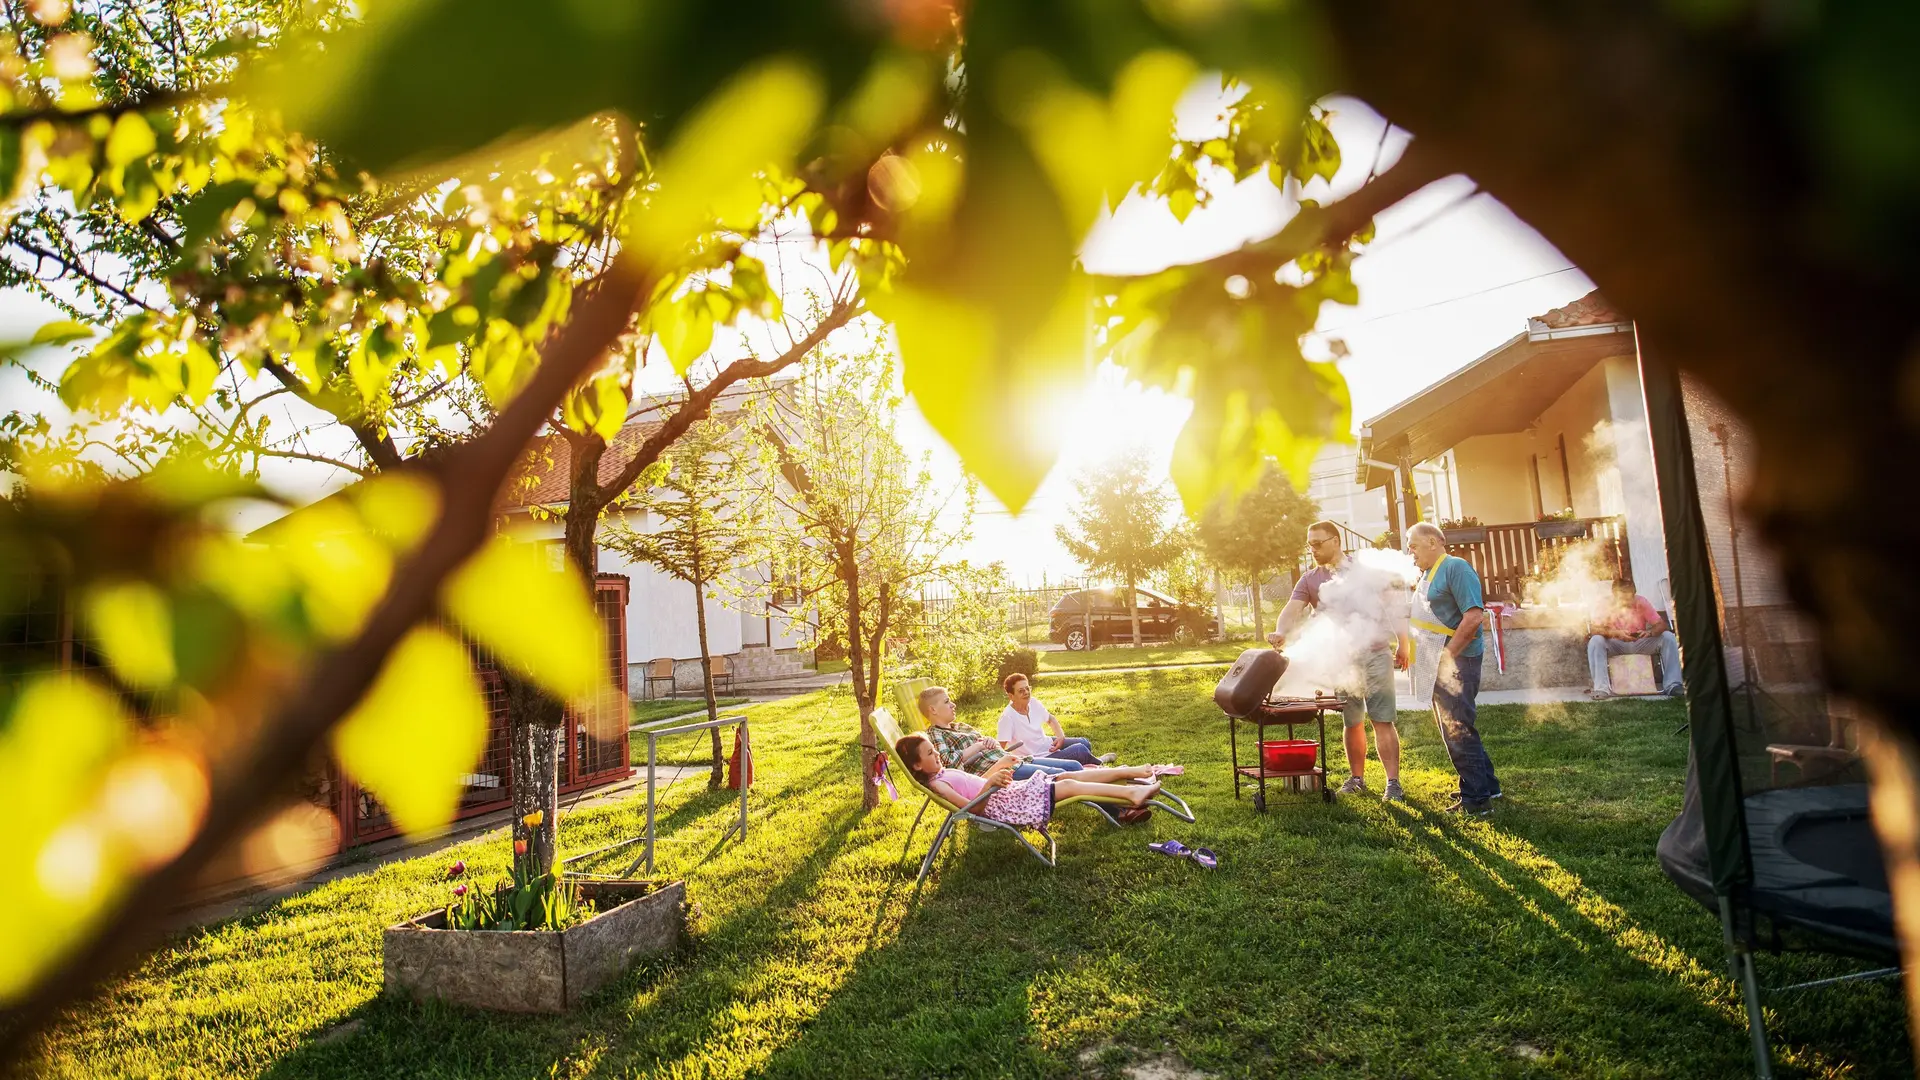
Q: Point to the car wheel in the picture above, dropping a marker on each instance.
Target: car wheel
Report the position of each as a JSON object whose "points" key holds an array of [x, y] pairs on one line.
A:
{"points": [[1077, 640], [1183, 634]]}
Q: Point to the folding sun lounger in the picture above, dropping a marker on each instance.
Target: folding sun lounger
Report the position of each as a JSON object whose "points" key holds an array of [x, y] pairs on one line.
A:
{"points": [[889, 731]]}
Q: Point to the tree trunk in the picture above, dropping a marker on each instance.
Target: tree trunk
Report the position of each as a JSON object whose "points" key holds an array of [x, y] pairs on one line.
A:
{"points": [[1133, 609], [1259, 624], [717, 775], [534, 725], [863, 689], [1219, 605]]}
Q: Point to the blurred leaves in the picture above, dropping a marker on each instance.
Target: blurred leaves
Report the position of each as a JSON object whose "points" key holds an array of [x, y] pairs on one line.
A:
{"points": [[535, 616], [420, 728]]}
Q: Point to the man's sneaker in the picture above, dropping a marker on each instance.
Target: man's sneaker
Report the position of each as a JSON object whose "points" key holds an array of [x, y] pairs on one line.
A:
{"points": [[1455, 795], [1107, 759], [1470, 807], [1676, 691], [1354, 786], [1393, 792]]}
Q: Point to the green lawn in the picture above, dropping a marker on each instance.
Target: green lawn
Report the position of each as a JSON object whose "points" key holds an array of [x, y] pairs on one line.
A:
{"points": [[1357, 940], [646, 712], [1113, 656]]}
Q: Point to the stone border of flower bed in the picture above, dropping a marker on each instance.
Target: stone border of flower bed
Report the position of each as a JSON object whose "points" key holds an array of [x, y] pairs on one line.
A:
{"points": [[536, 970]]}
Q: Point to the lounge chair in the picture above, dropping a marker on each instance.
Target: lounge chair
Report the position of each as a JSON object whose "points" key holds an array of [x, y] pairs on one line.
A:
{"points": [[889, 732]]}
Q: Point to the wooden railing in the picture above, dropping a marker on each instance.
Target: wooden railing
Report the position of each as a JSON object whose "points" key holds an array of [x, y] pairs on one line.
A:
{"points": [[1507, 555]]}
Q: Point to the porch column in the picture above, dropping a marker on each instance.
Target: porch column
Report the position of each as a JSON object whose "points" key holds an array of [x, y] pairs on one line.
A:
{"points": [[1633, 456], [1409, 495]]}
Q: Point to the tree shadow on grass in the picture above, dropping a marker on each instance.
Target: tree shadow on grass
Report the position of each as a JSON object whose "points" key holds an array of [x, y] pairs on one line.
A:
{"points": [[667, 1006]]}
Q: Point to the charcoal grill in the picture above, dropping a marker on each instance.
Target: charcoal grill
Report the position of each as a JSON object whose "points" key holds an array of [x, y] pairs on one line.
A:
{"points": [[1290, 712]]}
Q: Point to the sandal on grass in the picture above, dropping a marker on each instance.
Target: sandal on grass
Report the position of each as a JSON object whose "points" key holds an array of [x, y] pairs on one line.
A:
{"points": [[1169, 770], [1205, 857], [1133, 815], [1170, 847]]}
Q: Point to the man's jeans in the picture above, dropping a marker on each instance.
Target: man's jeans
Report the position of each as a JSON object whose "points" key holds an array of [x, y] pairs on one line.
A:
{"points": [[1454, 689], [1666, 647], [1045, 764]]}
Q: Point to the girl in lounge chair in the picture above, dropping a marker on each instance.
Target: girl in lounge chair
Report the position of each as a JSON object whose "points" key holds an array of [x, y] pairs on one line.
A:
{"points": [[1028, 802]]}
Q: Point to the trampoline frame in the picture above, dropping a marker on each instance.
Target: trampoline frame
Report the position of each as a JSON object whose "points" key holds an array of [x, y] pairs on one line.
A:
{"points": [[1709, 704]]}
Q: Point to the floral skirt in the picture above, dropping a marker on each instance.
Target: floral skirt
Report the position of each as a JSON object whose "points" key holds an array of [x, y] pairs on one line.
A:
{"points": [[1027, 803]]}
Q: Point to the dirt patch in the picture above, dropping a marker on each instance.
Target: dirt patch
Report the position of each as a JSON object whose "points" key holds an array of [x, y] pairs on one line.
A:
{"points": [[1164, 1067]]}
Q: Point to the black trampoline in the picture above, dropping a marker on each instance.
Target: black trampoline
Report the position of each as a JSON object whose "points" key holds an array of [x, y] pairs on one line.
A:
{"points": [[1774, 835]]}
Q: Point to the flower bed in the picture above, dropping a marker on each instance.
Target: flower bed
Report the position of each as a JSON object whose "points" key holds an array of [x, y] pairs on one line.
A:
{"points": [[536, 970]]}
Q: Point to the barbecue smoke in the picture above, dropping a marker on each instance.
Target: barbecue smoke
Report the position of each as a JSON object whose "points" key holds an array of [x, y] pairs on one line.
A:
{"points": [[1361, 609]]}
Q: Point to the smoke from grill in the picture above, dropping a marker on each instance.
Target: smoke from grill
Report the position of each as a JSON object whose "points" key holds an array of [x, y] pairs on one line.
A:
{"points": [[1361, 610]]}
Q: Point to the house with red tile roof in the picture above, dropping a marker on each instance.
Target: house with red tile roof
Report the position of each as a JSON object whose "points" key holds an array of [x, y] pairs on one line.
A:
{"points": [[756, 635]]}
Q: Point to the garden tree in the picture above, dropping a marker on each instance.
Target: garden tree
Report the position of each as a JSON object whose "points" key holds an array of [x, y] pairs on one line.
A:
{"points": [[1122, 524], [1700, 162], [1187, 577], [1259, 534], [864, 523], [706, 506], [958, 637]]}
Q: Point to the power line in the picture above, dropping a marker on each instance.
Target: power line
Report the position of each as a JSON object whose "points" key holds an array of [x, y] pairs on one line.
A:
{"points": [[1442, 303]]}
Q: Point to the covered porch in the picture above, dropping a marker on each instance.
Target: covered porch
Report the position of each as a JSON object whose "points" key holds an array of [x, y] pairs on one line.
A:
{"points": [[1548, 485]]}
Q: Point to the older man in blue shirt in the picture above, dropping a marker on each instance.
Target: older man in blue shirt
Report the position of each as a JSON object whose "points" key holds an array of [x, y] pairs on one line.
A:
{"points": [[1447, 609]]}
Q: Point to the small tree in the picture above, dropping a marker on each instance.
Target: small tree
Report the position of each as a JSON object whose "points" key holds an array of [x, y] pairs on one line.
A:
{"points": [[863, 522], [711, 511], [1120, 526], [1188, 576], [1260, 533]]}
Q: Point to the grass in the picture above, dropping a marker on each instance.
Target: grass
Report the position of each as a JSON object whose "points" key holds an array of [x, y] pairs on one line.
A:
{"points": [[647, 712], [1352, 940], [1112, 656]]}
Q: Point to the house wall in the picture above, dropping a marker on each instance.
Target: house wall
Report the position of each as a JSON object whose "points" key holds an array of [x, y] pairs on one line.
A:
{"points": [[1331, 485], [1495, 478], [1575, 416]]}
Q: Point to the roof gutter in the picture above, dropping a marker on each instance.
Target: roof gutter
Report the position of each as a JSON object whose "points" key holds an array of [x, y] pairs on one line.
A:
{"points": [[1580, 331]]}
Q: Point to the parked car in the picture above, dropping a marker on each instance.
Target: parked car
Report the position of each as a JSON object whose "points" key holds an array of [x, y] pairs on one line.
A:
{"points": [[1087, 618]]}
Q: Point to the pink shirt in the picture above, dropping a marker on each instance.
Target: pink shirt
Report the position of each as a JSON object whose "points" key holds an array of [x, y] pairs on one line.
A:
{"points": [[1629, 619], [965, 784]]}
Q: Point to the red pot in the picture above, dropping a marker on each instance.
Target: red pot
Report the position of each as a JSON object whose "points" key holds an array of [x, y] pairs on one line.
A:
{"points": [[1289, 755]]}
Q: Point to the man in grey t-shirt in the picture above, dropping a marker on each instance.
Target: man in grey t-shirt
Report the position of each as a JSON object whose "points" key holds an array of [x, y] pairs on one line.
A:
{"points": [[1373, 699]]}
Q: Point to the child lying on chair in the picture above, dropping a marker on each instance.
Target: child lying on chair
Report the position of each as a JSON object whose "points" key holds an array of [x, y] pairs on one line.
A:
{"points": [[1028, 802]]}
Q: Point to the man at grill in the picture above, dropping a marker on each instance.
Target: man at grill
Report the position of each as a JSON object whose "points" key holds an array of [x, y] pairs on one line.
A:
{"points": [[1447, 614], [1381, 651]]}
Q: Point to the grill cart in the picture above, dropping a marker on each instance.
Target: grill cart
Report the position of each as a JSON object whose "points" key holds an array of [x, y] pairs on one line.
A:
{"points": [[1292, 760], [1243, 693]]}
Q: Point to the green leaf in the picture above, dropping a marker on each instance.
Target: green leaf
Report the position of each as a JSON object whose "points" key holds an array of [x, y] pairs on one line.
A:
{"points": [[685, 329], [420, 728], [130, 140], [62, 331], [134, 627], [538, 620]]}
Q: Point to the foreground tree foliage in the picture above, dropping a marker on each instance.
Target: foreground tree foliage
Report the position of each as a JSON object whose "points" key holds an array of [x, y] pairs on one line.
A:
{"points": [[1740, 178]]}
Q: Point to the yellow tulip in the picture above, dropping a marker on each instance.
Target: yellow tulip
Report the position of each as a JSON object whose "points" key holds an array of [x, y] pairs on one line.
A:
{"points": [[533, 820]]}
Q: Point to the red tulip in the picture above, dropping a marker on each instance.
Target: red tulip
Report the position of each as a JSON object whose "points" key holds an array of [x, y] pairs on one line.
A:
{"points": [[459, 890], [519, 847], [456, 869]]}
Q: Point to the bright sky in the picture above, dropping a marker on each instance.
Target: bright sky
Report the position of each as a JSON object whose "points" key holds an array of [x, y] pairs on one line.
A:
{"points": [[1450, 276]]}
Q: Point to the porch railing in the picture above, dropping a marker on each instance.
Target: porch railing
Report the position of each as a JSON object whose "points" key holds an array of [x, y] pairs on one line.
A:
{"points": [[1506, 556]]}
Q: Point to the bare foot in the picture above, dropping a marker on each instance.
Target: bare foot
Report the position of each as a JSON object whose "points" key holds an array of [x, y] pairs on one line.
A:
{"points": [[1140, 797]]}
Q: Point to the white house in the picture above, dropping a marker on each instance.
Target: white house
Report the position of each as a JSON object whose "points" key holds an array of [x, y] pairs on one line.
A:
{"points": [[758, 638]]}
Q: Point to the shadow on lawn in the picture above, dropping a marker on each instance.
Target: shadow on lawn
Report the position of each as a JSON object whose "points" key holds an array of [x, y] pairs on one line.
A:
{"points": [[640, 1019]]}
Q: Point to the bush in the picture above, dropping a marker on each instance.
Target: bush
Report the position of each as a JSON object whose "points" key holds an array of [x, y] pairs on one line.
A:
{"points": [[962, 659], [1023, 660]]}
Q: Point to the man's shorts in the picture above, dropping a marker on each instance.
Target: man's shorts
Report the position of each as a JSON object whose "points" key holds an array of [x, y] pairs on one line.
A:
{"points": [[1377, 701]]}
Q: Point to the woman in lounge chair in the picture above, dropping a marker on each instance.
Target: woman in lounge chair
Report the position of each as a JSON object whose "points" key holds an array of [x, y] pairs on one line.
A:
{"points": [[1028, 729], [1027, 803]]}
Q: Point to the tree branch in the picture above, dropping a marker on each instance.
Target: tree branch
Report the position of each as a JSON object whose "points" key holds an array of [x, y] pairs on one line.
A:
{"points": [[469, 479], [700, 402]]}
